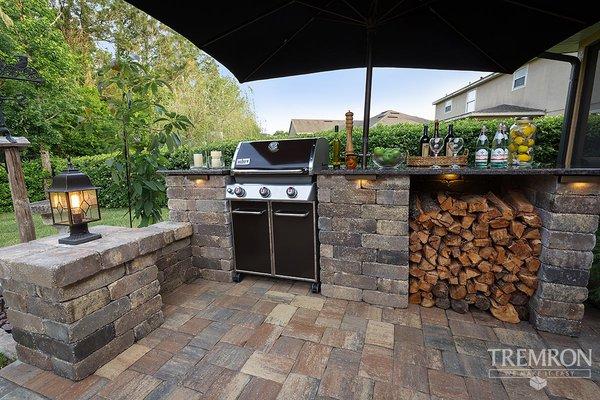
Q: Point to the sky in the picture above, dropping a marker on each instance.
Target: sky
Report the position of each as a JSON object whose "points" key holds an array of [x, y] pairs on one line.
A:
{"points": [[328, 95]]}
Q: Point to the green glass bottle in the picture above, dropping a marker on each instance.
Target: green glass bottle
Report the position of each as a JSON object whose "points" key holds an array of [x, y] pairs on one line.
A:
{"points": [[337, 145]]}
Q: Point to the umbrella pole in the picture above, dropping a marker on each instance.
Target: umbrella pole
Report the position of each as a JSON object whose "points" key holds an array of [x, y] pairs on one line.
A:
{"points": [[368, 84]]}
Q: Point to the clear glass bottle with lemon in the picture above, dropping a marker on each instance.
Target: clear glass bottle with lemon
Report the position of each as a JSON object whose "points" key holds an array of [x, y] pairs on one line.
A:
{"points": [[521, 142]]}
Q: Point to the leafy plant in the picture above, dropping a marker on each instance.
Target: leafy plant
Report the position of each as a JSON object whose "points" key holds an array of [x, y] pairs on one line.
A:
{"points": [[133, 92]]}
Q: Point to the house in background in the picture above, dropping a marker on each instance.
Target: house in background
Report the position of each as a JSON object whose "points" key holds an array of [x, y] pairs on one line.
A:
{"points": [[389, 117], [536, 89]]}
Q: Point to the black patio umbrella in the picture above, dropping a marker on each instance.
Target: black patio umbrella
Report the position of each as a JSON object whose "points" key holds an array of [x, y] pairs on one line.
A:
{"points": [[275, 38]]}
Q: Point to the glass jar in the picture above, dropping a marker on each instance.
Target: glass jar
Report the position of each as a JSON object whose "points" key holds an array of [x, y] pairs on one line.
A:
{"points": [[521, 142]]}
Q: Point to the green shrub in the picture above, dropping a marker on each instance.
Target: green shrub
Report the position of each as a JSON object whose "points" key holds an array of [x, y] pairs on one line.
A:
{"points": [[404, 136]]}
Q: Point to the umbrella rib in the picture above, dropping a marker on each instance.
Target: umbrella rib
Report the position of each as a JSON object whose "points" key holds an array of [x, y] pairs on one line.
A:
{"points": [[285, 43], [565, 17], [403, 13], [398, 4], [245, 24], [331, 12], [354, 9], [466, 39]]}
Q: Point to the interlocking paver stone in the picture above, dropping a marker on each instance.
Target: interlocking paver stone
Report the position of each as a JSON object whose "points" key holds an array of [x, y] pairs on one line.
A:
{"points": [[312, 359], [447, 386], [259, 388], [228, 356], [298, 387], [376, 363], [380, 334], [281, 314], [268, 366]]}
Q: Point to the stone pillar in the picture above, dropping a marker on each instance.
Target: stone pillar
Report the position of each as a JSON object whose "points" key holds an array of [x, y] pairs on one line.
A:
{"points": [[75, 308], [200, 200], [364, 239], [569, 213]]}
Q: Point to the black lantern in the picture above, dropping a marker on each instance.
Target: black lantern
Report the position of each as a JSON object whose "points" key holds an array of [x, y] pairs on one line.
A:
{"points": [[74, 202]]}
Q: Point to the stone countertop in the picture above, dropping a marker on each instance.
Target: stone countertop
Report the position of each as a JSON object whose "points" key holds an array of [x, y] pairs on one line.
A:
{"points": [[464, 171], [45, 262], [195, 172], [412, 171]]}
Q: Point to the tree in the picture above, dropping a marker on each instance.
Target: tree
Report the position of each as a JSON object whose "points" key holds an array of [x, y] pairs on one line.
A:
{"points": [[132, 91], [63, 115]]}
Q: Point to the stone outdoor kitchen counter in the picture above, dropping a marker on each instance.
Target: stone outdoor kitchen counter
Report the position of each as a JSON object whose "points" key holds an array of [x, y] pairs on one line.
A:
{"points": [[364, 229], [74, 308]]}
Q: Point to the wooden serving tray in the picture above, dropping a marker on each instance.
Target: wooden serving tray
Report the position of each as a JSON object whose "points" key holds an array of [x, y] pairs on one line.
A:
{"points": [[442, 161]]}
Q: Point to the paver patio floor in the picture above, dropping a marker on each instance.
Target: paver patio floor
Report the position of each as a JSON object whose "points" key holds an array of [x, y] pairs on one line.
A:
{"points": [[265, 339]]}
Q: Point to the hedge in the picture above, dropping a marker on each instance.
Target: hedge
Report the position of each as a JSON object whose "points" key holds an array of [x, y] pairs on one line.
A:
{"points": [[403, 136]]}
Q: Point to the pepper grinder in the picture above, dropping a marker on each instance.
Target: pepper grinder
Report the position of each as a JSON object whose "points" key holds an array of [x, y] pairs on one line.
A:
{"points": [[351, 158]]}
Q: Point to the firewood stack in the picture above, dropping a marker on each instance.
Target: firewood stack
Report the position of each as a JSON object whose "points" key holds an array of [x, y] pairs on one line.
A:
{"points": [[471, 249]]}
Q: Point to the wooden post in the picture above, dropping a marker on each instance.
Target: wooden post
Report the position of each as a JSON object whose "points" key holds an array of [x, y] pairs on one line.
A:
{"points": [[18, 190]]}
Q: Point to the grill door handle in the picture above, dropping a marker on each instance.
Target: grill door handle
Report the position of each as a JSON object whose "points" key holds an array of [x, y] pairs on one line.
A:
{"points": [[247, 212], [293, 215]]}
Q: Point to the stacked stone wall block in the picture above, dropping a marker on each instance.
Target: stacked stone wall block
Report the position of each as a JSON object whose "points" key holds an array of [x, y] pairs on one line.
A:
{"points": [[72, 327], [569, 213], [363, 233], [202, 203]]}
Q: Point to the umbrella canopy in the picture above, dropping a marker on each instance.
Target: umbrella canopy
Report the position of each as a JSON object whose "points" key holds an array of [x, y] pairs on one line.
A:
{"points": [[276, 38]]}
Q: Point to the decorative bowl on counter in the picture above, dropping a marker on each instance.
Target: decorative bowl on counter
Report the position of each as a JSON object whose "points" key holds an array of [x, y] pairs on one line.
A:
{"points": [[385, 158]]}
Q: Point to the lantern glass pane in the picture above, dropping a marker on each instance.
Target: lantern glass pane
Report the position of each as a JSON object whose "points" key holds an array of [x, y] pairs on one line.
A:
{"points": [[60, 208], [89, 205], [84, 206]]}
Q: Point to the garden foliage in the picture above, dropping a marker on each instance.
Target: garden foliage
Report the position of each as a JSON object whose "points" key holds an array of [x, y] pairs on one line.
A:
{"points": [[403, 136]]}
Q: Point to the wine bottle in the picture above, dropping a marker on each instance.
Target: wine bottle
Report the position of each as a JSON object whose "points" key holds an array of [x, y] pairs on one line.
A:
{"points": [[482, 151], [424, 142], [337, 145], [447, 139]]}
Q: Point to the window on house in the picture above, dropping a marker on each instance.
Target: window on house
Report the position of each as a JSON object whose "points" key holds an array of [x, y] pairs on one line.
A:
{"points": [[471, 96], [520, 78], [448, 106], [587, 133]]}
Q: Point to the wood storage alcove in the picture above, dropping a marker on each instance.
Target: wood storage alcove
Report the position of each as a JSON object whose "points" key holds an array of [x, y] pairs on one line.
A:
{"points": [[474, 249]]}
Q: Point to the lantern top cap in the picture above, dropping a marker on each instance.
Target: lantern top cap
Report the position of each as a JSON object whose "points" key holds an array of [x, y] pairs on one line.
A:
{"points": [[71, 180]]}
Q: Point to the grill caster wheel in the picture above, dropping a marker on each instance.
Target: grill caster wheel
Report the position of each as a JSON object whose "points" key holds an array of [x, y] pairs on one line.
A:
{"points": [[315, 287], [237, 277]]}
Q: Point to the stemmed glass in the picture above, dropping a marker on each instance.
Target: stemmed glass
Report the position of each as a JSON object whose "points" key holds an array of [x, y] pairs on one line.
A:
{"points": [[436, 144], [456, 145]]}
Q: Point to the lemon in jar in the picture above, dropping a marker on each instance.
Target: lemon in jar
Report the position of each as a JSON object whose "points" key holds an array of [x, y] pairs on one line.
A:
{"points": [[523, 149], [528, 130], [524, 157], [512, 148], [519, 140], [530, 142]]}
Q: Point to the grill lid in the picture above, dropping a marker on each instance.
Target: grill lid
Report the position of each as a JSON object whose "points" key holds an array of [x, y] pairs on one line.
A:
{"points": [[300, 156]]}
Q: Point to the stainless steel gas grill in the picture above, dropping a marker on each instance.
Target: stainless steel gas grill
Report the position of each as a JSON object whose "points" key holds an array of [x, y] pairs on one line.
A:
{"points": [[273, 206]]}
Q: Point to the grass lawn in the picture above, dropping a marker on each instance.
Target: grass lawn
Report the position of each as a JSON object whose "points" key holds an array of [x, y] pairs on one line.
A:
{"points": [[9, 233]]}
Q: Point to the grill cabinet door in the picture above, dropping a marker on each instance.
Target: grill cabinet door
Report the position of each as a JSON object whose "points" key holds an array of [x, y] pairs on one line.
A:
{"points": [[294, 240], [251, 236]]}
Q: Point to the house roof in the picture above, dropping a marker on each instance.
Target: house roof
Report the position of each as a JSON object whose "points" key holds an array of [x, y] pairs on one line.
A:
{"points": [[468, 87], [503, 110], [388, 117], [391, 117]]}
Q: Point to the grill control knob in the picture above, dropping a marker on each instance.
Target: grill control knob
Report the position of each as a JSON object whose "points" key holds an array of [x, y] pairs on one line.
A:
{"points": [[264, 191], [291, 192], [239, 191]]}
